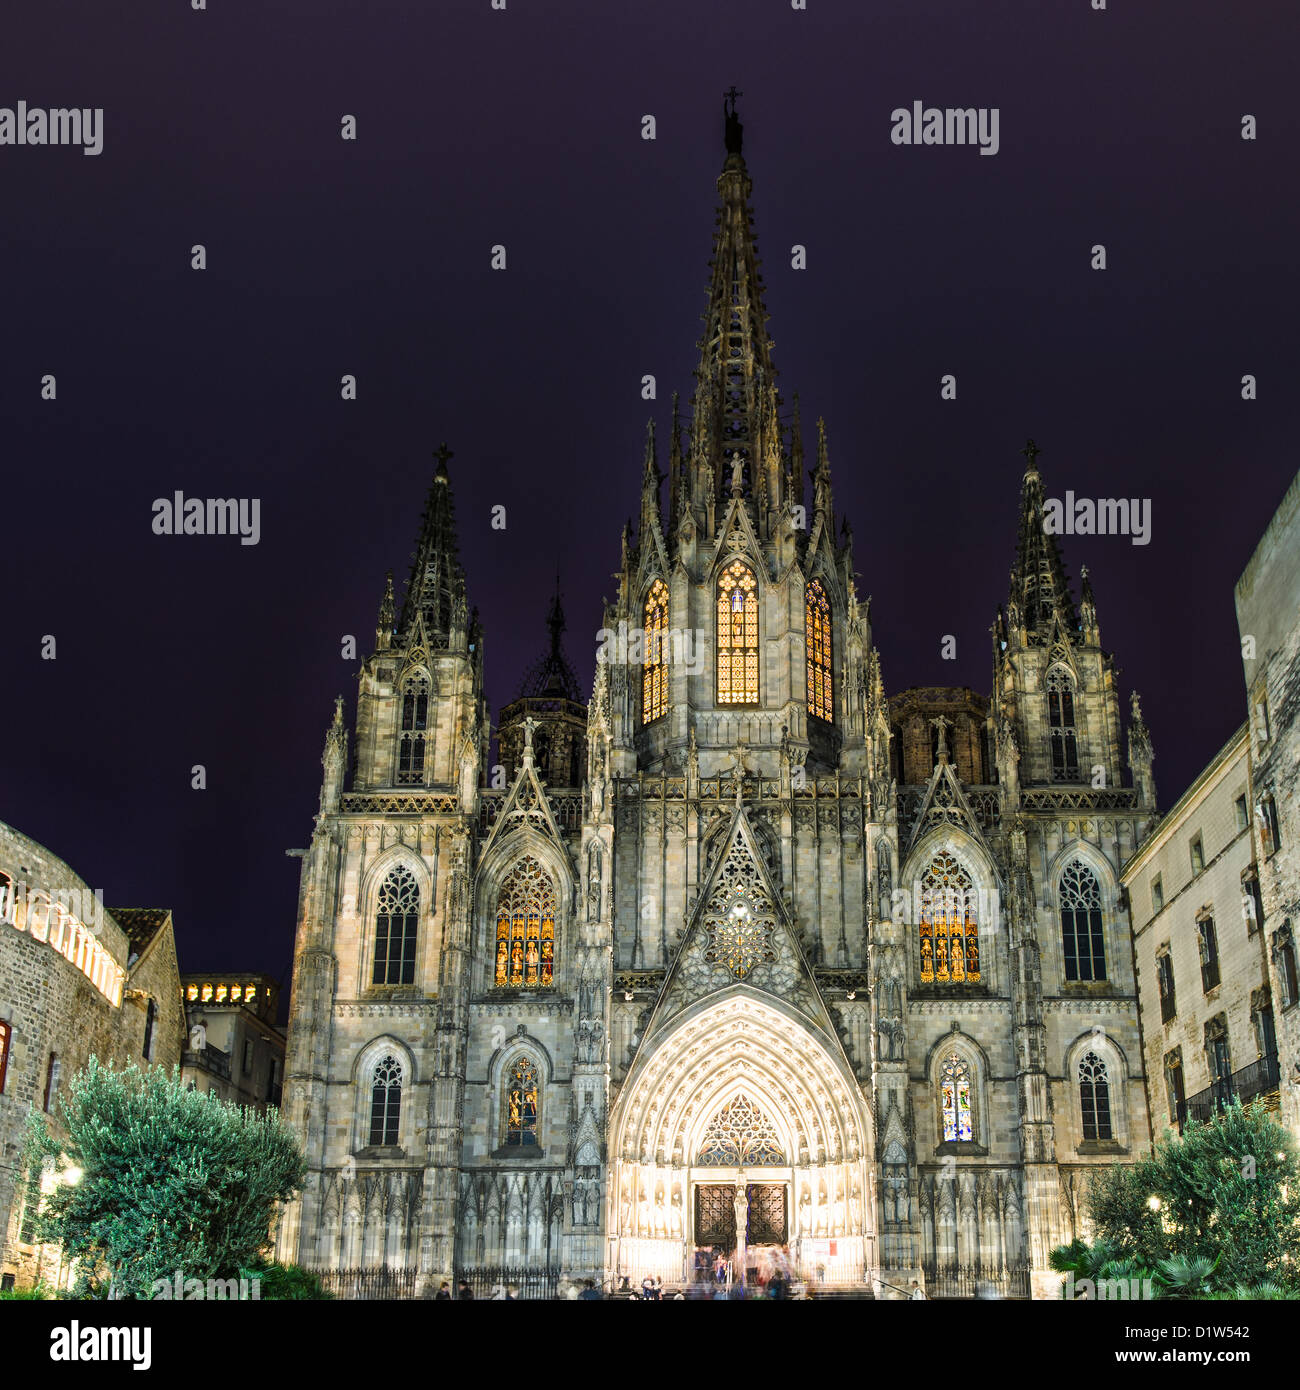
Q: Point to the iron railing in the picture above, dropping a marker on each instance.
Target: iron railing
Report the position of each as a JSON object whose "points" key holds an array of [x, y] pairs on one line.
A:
{"points": [[970, 1281], [1258, 1079], [379, 1283], [527, 1281]]}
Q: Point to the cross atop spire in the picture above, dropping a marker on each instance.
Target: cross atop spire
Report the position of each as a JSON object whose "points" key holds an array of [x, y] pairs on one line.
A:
{"points": [[442, 454], [1031, 451]]}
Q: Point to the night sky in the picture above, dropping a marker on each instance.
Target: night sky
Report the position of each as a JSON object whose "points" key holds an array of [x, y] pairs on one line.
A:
{"points": [[523, 128]]}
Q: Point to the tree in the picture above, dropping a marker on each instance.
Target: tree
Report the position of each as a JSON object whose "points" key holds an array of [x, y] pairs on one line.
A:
{"points": [[1221, 1198], [169, 1180]]}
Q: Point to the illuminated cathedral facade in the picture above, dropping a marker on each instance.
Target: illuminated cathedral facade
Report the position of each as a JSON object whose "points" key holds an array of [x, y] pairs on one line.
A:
{"points": [[742, 951]]}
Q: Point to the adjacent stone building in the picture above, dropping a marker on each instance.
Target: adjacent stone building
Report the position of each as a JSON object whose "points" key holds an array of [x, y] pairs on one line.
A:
{"points": [[1202, 960], [1268, 618], [234, 1048], [76, 981], [776, 960]]}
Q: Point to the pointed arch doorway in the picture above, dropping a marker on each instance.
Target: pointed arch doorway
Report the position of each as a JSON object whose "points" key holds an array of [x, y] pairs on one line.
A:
{"points": [[739, 1094]]}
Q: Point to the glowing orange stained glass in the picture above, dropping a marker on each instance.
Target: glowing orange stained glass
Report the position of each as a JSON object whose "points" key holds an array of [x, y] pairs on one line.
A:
{"points": [[817, 632], [949, 931], [525, 936], [737, 636], [654, 674]]}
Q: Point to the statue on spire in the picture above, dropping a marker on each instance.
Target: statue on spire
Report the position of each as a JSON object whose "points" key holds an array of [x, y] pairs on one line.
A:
{"points": [[734, 130]]}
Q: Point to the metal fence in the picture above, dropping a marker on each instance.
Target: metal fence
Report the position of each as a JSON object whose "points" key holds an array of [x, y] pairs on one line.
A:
{"points": [[527, 1281], [369, 1284], [968, 1282]]}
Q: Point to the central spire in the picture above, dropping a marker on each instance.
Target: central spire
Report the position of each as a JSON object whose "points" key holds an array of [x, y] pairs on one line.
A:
{"points": [[735, 398]]}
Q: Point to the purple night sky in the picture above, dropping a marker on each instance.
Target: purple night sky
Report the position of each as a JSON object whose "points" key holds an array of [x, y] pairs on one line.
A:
{"points": [[523, 127]]}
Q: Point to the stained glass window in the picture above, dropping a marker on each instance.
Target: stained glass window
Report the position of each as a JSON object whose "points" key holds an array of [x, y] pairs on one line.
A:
{"points": [[954, 1092], [1094, 1097], [740, 1134], [950, 951], [1081, 934], [396, 923], [525, 950], [1060, 718], [737, 636], [415, 723], [817, 634], [521, 1104], [654, 674], [385, 1100]]}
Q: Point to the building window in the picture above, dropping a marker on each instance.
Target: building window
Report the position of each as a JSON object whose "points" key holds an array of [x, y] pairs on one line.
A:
{"points": [[273, 1082], [150, 1019], [1217, 1054], [396, 922], [1174, 1085], [1252, 903], [1157, 894], [1165, 980], [654, 674], [1284, 957], [51, 1083], [955, 1100], [1261, 1016], [1094, 1097], [1263, 725], [248, 1056], [1060, 718], [737, 636], [817, 635], [1243, 815], [415, 724], [1268, 827], [1198, 856], [1081, 933], [6, 1035], [949, 937], [385, 1101], [526, 928], [31, 1209], [522, 1104], [1207, 943]]}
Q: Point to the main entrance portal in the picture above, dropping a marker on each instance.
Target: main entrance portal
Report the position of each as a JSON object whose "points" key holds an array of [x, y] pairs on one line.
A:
{"points": [[737, 1095], [715, 1215]]}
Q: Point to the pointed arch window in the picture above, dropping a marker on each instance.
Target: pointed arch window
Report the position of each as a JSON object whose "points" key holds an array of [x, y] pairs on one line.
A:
{"points": [[1081, 928], [415, 724], [817, 635], [525, 948], [654, 674], [1060, 719], [522, 1104], [385, 1101], [949, 930], [1094, 1097], [397, 920], [737, 635], [955, 1100]]}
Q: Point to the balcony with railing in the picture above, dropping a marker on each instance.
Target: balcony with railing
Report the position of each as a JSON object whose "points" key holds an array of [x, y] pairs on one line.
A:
{"points": [[211, 1059], [1260, 1078]]}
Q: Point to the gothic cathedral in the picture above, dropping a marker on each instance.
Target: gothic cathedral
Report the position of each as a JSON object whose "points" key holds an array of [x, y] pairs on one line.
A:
{"points": [[742, 950]]}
